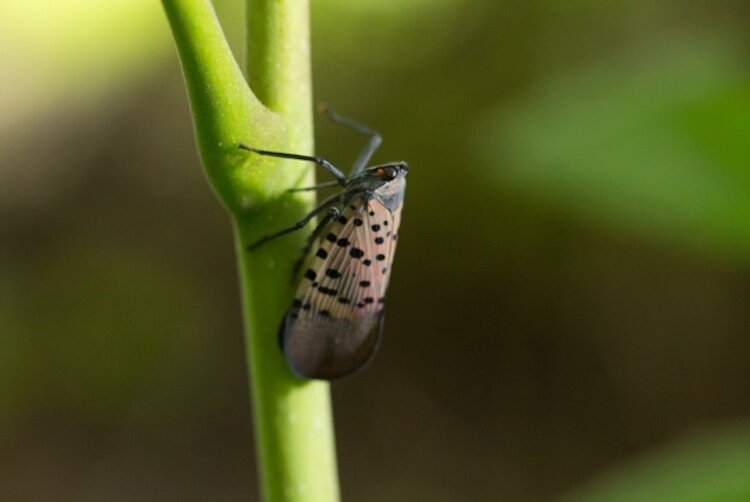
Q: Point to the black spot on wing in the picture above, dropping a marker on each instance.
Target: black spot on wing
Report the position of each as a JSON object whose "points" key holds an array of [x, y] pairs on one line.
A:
{"points": [[327, 291]]}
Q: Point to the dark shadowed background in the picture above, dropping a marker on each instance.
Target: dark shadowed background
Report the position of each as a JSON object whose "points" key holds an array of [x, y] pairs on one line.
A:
{"points": [[569, 310]]}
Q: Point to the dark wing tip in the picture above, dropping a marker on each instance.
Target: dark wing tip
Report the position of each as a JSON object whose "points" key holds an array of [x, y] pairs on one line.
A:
{"points": [[327, 348]]}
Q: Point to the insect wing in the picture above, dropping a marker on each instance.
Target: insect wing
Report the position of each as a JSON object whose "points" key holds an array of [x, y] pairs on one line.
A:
{"points": [[335, 325]]}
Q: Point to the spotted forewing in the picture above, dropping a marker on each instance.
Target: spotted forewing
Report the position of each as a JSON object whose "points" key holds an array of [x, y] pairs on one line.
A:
{"points": [[334, 326]]}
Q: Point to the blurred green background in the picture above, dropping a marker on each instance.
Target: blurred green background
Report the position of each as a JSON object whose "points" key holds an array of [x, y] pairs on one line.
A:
{"points": [[570, 311]]}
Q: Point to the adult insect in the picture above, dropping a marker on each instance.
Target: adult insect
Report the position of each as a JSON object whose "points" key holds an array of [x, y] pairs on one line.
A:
{"points": [[335, 323]]}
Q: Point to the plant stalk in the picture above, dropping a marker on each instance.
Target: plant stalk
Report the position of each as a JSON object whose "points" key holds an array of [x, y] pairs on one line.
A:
{"points": [[292, 417]]}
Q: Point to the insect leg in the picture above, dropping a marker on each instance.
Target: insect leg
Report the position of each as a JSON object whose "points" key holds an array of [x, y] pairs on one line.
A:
{"points": [[301, 223], [336, 172], [327, 184], [331, 215], [372, 145]]}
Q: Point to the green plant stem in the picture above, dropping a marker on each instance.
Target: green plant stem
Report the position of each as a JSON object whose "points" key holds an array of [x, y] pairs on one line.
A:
{"points": [[293, 423], [278, 67], [293, 419]]}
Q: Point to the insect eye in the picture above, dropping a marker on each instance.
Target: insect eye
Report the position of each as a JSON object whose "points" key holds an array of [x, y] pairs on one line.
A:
{"points": [[387, 173]]}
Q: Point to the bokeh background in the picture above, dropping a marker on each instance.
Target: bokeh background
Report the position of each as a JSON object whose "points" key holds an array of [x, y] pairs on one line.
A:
{"points": [[570, 308]]}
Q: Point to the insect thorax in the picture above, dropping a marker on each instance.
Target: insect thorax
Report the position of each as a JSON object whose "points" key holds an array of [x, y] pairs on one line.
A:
{"points": [[391, 194]]}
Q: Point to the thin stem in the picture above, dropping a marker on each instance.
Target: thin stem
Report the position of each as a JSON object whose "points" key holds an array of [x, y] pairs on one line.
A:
{"points": [[293, 419], [278, 52], [293, 422], [225, 111]]}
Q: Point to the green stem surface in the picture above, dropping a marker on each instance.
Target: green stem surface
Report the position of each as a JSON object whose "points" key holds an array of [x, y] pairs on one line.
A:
{"points": [[293, 419]]}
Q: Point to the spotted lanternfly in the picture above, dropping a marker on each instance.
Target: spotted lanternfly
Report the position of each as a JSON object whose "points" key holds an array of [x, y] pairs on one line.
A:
{"points": [[335, 323]]}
